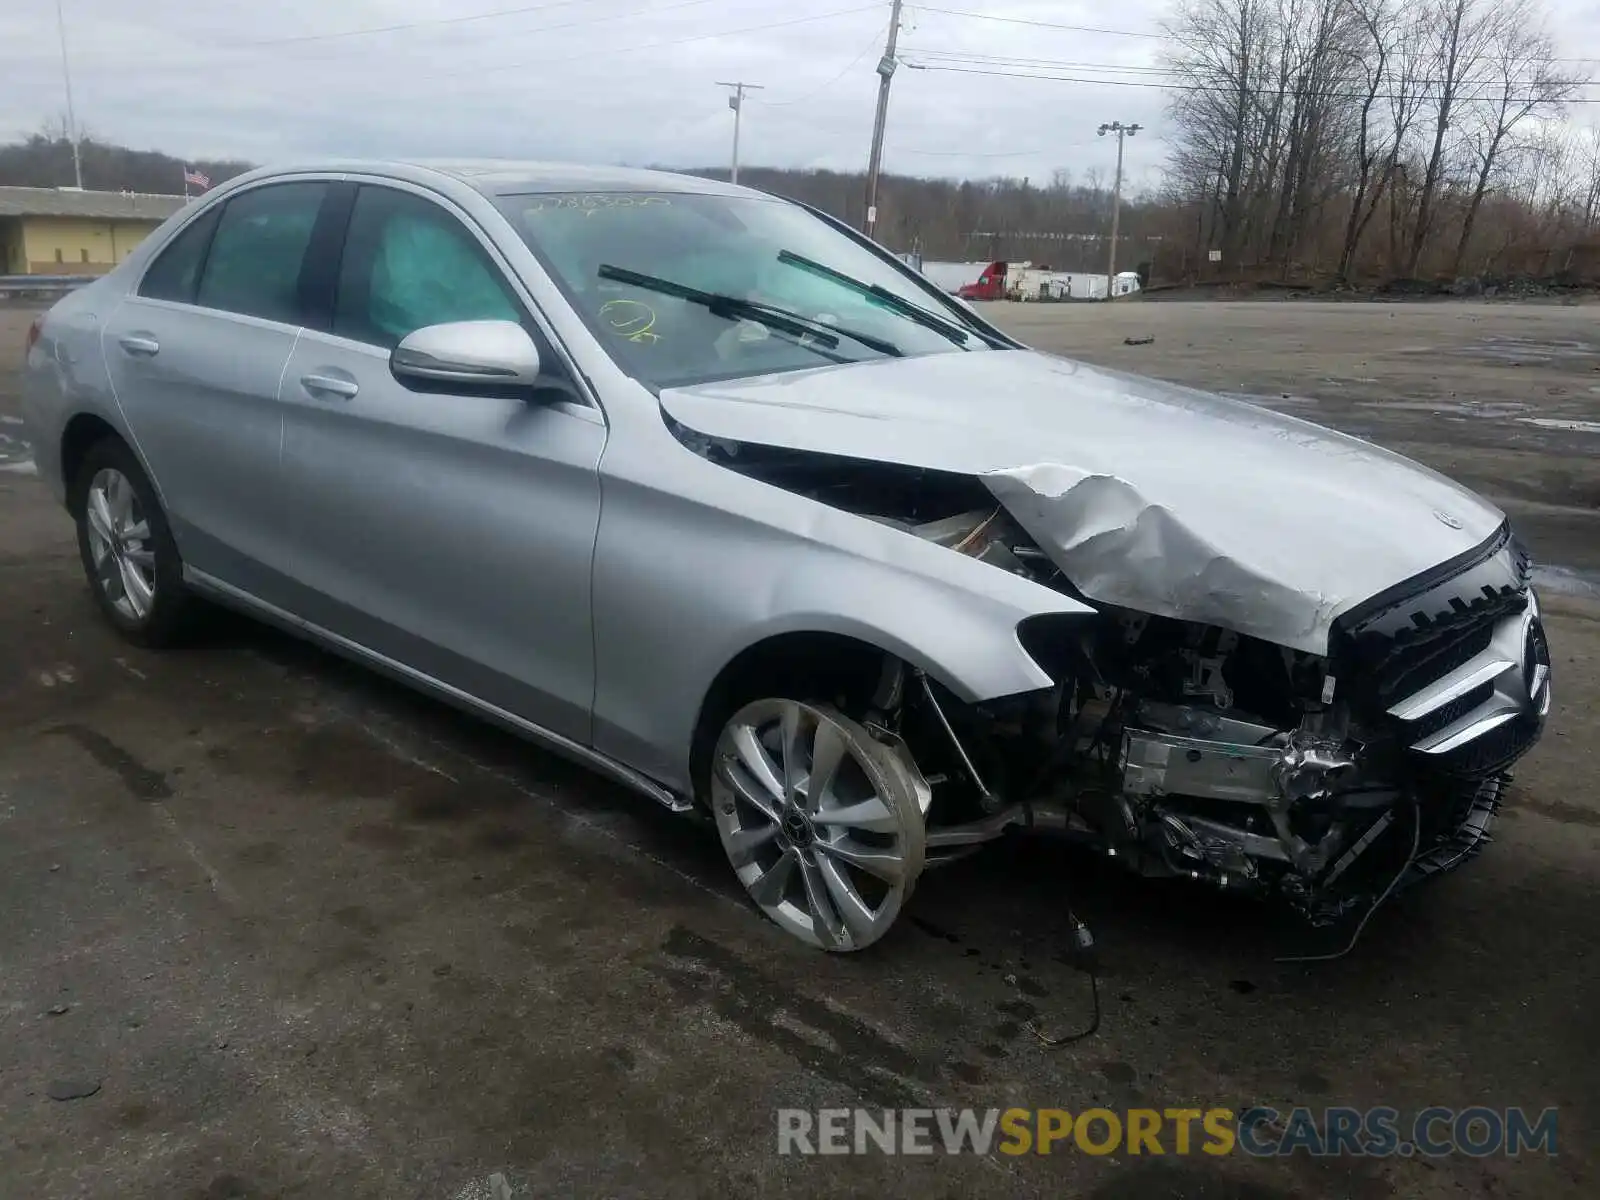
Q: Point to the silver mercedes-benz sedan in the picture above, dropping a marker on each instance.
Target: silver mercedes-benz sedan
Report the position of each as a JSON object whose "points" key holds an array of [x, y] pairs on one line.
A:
{"points": [[706, 490]]}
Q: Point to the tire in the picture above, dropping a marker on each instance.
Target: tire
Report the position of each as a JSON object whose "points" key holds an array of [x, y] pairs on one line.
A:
{"points": [[129, 557], [832, 865]]}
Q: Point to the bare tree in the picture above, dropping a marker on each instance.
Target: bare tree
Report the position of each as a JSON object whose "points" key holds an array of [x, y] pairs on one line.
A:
{"points": [[1525, 83], [1387, 63], [1589, 157], [1219, 63], [1461, 34]]}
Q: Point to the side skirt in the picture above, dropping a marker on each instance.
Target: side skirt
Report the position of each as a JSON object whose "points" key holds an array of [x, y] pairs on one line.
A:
{"points": [[236, 598]]}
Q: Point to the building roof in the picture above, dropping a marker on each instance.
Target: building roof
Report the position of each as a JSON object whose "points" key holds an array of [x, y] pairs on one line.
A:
{"points": [[68, 202]]}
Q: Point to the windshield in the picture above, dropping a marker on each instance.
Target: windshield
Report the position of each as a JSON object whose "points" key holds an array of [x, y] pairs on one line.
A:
{"points": [[685, 288]]}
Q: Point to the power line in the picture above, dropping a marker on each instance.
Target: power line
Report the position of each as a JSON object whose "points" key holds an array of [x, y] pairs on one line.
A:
{"points": [[648, 11], [1014, 61], [1132, 33], [1225, 90], [428, 23], [850, 66], [1040, 153], [682, 41], [952, 12], [192, 61], [976, 59]]}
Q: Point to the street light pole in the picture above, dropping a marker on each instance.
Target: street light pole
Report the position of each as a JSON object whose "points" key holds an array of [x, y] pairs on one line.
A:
{"points": [[736, 102], [886, 67], [72, 119], [1122, 131]]}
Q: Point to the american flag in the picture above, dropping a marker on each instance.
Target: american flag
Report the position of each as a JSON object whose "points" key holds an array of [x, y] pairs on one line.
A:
{"points": [[194, 178]]}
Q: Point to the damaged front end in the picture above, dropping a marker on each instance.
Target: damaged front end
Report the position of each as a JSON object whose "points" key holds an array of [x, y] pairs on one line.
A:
{"points": [[1185, 748]]}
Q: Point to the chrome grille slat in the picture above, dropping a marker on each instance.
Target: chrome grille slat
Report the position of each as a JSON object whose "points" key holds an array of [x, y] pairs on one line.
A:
{"points": [[1514, 662], [1473, 673]]}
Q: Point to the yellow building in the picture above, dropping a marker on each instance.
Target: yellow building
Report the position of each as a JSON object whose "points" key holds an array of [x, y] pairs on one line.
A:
{"points": [[63, 231]]}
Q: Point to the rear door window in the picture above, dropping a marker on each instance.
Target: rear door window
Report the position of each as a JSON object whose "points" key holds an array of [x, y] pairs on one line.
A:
{"points": [[258, 251]]}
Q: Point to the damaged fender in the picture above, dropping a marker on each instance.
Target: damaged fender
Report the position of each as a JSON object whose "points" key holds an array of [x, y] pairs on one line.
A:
{"points": [[794, 566]]}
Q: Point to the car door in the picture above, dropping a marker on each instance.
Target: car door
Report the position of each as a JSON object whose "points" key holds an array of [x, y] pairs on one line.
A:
{"points": [[448, 531], [195, 354]]}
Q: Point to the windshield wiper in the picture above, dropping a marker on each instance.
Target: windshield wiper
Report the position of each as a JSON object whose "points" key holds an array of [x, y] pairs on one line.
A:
{"points": [[883, 295], [733, 308]]}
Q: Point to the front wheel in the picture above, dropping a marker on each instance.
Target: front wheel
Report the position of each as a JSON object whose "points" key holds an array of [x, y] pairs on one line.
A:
{"points": [[820, 820], [127, 548]]}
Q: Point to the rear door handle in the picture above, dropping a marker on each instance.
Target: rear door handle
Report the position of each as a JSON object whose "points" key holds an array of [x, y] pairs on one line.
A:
{"points": [[330, 385], [140, 345]]}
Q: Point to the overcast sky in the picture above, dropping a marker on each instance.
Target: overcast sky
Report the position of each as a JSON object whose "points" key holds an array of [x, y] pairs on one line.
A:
{"points": [[625, 81]]}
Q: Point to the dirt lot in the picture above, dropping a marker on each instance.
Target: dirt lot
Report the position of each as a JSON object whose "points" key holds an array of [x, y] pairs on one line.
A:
{"points": [[303, 934]]}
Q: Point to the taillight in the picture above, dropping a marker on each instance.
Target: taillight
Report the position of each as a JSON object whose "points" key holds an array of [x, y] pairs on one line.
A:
{"points": [[35, 328]]}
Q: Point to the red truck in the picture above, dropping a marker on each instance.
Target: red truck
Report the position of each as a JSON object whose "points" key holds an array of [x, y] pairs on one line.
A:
{"points": [[991, 285]]}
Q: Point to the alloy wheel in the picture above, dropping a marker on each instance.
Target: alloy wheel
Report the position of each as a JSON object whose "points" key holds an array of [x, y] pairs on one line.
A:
{"points": [[120, 544], [821, 821]]}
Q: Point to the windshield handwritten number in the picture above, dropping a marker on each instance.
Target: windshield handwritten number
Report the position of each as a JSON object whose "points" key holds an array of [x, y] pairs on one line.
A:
{"points": [[633, 319], [589, 204]]}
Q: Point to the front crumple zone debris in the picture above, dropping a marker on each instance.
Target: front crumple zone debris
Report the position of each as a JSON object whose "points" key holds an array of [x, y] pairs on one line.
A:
{"points": [[1118, 548]]}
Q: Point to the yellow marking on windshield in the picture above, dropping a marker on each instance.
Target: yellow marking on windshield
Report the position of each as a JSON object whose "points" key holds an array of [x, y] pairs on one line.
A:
{"points": [[590, 203], [633, 319]]}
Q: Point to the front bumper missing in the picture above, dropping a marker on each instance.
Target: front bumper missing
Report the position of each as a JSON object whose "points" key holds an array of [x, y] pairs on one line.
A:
{"points": [[1469, 836]]}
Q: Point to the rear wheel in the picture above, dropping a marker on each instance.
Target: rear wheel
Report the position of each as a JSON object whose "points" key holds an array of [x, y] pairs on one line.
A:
{"points": [[126, 546], [820, 821]]}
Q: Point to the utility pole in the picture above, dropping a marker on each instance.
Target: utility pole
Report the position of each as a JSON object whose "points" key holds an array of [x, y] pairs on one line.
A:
{"points": [[886, 67], [72, 119], [736, 102], [1122, 131]]}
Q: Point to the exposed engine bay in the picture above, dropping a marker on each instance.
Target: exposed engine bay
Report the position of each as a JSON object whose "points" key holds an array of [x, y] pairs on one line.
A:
{"points": [[1184, 749]]}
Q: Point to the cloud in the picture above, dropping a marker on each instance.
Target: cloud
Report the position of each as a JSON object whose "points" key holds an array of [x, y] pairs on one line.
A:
{"points": [[629, 81]]}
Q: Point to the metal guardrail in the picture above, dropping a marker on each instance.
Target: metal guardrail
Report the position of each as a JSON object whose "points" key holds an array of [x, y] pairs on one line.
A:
{"points": [[40, 286]]}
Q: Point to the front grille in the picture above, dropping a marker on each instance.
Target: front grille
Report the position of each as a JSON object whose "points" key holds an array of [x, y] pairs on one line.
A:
{"points": [[1413, 662], [1448, 663], [1449, 713], [1400, 641], [1495, 750]]}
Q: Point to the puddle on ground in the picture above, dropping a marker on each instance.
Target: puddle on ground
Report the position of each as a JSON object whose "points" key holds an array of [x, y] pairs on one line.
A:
{"points": [[1515, 350], [1272, 401], [1559, 423], [1487, 410], [1567, 582], [16, 455]]}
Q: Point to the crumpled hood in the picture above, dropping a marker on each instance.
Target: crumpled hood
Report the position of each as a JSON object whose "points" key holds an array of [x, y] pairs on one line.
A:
{"points": [[1156, 497]]}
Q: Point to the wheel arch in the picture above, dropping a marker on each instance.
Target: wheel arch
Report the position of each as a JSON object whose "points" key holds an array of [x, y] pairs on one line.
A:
{"points": [[800, 658], [845, 656], [81, 433]]}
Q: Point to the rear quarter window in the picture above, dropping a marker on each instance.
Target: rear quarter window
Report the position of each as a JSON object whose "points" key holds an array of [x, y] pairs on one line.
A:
{"points": [[175, 273]]}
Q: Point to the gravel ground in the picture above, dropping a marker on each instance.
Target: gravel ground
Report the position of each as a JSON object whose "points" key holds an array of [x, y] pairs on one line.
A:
{"points": [[300, 933]]}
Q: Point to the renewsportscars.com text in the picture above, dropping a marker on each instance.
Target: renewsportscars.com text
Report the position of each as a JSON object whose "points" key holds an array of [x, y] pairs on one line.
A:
{"points": [[1258, 1131]]}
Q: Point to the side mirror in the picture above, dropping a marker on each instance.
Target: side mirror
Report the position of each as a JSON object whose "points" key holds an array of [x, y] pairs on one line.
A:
{"points": [[467, 354]]}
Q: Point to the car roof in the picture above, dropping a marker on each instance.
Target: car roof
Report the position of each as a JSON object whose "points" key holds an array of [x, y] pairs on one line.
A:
{"points": [[502, 178], [510, 177]]}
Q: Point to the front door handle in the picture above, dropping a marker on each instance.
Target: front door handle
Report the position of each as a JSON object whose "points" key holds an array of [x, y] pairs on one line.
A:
{"points": [[140, 345], [330, 385]]}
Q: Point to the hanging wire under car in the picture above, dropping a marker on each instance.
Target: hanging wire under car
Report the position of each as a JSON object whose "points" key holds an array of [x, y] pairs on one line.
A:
{"points": [[1416, 841], [1084, 955]]}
